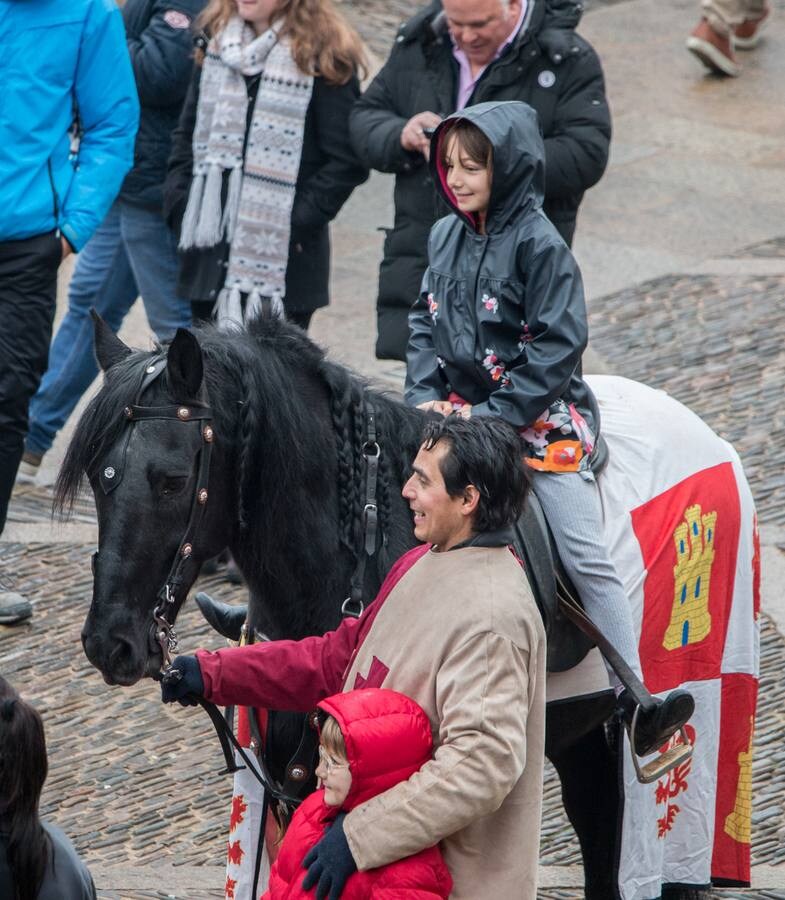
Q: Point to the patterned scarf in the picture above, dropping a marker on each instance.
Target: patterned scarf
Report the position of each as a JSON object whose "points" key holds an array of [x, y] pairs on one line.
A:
{"points": [[256, 217]]}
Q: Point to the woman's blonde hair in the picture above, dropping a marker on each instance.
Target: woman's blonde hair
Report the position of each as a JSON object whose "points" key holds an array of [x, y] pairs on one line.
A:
{"points": [[332, 740], [323, 42]]}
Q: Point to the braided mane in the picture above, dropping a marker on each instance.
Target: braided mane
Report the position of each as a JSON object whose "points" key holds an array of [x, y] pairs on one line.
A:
{"points": [[265, 386]]}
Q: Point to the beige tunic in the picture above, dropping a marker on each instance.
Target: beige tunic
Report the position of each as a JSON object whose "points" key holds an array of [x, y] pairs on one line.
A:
{"points": [[461, 635]]}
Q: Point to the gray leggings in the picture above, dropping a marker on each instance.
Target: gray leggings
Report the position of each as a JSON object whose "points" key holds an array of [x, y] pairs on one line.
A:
{"points": [[571, 503]]}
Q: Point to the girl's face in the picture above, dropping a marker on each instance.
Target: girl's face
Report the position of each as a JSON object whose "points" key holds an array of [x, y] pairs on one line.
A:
{"points": [[257, 13], [334, 776], [469, 180]]}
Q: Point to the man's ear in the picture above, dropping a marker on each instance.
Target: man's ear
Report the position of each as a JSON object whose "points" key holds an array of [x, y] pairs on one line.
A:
{"points": [[109, 349], [184, 365], [471, 500]]}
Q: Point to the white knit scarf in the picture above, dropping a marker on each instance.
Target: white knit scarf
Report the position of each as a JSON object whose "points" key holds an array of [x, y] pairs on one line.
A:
{"points": [[256, 216]]}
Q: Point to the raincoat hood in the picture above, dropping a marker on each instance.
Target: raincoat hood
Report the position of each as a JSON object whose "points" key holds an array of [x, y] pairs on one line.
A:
{"points": [[518, 181], [387, 736]]}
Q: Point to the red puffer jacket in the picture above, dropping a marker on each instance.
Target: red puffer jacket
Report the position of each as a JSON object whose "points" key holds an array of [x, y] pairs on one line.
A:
{"points": [[388, 738]]}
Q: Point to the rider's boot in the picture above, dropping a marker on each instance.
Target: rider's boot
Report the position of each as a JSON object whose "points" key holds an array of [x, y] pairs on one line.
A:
{"points": [[654, 726], [226, 619]]}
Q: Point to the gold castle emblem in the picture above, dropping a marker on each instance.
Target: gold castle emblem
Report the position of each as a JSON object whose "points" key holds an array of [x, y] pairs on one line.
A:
{"points": [[738, 824], [690, 618]]}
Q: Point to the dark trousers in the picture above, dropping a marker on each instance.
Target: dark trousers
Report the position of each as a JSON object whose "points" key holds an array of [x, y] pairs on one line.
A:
{"points": [[28, 289]]}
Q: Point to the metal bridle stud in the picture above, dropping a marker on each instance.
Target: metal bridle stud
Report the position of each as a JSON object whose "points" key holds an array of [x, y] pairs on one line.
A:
{"points": [[128, 412], [186, 551], [183, 413], [109, 472], [208, 434], [202, 496]]}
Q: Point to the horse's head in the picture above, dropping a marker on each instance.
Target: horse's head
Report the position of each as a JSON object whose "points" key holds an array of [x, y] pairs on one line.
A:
{"points": [[155, 507]]}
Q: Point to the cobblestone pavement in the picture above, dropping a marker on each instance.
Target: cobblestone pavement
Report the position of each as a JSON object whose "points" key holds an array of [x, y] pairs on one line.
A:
{"points": [[717, 344]]}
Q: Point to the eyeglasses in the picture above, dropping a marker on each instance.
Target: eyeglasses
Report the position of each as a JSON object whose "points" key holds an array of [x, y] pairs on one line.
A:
{"points": [[329, 763]]}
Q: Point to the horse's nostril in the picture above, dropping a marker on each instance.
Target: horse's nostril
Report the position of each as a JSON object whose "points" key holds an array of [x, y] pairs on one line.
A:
{"points": [[122, 656]]}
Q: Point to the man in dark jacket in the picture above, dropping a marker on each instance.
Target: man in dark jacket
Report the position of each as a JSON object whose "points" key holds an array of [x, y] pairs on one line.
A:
{"points": [[133, 251], [465, 53]]}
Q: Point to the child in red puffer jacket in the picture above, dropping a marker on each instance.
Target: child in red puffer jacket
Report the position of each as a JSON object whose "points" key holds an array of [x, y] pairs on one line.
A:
{"points": [[371, 740]]}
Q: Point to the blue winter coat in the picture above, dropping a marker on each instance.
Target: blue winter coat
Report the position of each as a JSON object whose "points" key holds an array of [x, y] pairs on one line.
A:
{"points": [[55, 55]]}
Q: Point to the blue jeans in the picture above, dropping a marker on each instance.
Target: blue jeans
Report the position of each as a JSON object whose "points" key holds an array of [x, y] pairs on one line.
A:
{"points": [[133, 252]]}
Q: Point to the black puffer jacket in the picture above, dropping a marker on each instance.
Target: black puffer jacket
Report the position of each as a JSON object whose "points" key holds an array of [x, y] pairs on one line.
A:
{"points": [[160, 42], [329, 172], [501, 319], [548, 66]]}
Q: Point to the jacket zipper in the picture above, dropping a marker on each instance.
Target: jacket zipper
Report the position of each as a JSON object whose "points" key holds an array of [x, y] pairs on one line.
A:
{"points": [[55, 204]]}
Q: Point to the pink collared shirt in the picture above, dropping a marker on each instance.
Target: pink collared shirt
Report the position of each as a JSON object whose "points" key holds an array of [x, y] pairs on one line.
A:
{"points": [[467, 81]]}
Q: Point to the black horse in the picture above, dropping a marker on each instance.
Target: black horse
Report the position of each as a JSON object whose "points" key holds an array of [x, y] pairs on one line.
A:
{"points": [[286, 495]]}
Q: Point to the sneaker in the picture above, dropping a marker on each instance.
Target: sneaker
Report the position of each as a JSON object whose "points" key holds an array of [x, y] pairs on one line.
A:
{"points": [[713, 49], [655, 726], [747, 35], [14, 608], [28, 467]]}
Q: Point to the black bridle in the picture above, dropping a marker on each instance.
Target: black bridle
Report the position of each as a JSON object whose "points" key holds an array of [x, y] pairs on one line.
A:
{"points": [[162, 633]]}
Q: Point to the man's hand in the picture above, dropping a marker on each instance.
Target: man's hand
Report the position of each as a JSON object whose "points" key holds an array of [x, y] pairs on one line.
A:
{"points": [[67, 248], [465, 411], [443, 407], [329, 863], [413, 136], [182, 682]]}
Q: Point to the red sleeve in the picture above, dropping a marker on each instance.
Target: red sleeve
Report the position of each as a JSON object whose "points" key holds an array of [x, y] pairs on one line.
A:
{"points": [[293, 675]]}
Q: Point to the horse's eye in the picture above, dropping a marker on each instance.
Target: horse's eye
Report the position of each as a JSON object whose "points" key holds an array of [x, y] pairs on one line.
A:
{"points": [[172, 485]]}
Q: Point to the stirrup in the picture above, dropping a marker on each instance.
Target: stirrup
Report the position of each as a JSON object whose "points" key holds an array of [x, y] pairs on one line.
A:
{"points": [[674, 756]]}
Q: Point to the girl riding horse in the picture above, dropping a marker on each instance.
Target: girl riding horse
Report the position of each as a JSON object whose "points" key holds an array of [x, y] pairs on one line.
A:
{"points": [[498, 330]]}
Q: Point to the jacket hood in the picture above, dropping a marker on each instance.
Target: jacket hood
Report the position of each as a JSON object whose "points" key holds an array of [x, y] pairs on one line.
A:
{"points": [[387, 735], [518, 184]]}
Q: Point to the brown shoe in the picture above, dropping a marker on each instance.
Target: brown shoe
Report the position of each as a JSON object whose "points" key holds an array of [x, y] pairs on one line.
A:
{"points": [[747, 35], [714, 50]]}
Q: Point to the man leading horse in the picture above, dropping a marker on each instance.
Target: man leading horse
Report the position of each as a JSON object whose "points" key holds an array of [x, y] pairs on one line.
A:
{"points": [[472, 654]]}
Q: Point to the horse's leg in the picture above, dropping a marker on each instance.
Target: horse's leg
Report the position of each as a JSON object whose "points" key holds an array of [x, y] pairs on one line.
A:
{"points": [[587, 768]]}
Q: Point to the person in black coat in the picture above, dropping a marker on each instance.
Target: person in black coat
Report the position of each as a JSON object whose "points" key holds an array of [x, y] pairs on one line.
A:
{"points": [[543, 63], [330, 56]]}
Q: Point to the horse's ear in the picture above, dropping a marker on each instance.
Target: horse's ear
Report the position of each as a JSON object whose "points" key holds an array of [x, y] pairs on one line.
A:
{"points": [[109, 349], [184, 365]]}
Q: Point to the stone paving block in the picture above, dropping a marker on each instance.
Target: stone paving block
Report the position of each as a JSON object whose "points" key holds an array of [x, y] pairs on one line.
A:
{"points": [[717, 344]]}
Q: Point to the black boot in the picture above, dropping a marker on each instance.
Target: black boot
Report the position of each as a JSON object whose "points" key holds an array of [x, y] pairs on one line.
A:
{"points": [[226, 619], [656, 725]]}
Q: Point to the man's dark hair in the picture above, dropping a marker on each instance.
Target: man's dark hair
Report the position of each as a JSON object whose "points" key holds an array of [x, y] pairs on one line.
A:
{"points": [[485, 452]]}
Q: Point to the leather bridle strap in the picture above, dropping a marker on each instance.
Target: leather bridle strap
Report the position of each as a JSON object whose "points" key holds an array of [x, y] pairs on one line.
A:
{"points": [[354, 605], [165, 611]]}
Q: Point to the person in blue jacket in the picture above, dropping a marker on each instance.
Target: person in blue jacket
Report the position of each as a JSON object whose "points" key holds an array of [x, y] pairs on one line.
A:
{"points": [[60, 63], [133, 251]]}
